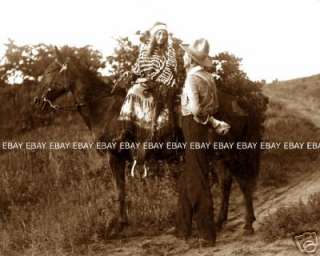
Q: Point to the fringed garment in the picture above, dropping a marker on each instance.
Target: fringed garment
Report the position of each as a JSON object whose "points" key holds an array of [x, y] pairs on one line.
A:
{"points": [[139, 107], [140, 110]]}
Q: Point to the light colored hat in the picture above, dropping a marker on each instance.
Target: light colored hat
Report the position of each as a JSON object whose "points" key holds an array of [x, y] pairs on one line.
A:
{"points": [[199, 52], [158, 26]]}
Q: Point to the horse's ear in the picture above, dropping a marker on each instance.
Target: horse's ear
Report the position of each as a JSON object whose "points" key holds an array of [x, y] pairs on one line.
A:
{"points": [[58, 54]]}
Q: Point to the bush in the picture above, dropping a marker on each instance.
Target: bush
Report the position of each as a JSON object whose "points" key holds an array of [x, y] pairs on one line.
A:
{"points": [[27, 63], [63, 200], [226, 69], [293, 219], [279, 165]]}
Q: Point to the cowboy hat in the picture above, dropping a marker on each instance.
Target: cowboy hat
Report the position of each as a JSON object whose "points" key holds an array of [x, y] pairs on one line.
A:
{"points": [[199, 52]]}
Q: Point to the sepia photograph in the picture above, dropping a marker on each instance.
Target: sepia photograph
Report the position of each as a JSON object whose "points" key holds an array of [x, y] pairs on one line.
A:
{"points": [[159, 128]]}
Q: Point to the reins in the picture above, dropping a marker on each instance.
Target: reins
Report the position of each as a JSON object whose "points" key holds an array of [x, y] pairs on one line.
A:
{"points": [[77, 105]]}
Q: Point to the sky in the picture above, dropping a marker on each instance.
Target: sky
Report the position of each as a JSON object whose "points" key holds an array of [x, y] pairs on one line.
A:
{"points": [[276, 39]]}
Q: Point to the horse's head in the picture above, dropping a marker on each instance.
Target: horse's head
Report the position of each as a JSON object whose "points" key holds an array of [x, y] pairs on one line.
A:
{"points": [[95, 98], [56, 81]]}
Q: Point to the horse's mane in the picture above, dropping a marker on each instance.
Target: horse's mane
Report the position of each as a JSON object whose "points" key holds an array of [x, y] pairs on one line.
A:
{"points": [[96, 84]]}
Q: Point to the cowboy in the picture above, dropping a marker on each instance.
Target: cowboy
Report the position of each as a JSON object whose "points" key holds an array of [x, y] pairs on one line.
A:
{"points": [[198, 102]]}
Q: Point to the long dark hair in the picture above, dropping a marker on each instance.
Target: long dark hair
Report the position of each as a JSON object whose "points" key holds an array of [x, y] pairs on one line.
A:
{"points": [[152, 44]]}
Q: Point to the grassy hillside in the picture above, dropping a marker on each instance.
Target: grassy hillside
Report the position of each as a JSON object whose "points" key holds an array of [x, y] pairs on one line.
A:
{"points": [[301, 94], [55, 201], [307, 87], [60, 202], [293, 115]]}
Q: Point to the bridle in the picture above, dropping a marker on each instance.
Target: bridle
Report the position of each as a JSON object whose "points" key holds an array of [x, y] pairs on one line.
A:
{"points": [[63, 67], [56, 107]]}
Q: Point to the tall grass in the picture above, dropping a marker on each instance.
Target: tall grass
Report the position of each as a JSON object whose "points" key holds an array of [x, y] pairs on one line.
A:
{"points": [[18, 114], [60, 202], [293, 219], [53, 200], [278, 165]]}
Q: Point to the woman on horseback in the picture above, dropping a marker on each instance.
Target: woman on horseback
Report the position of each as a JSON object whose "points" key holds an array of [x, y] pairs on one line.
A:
{"points": [[154, 74]]}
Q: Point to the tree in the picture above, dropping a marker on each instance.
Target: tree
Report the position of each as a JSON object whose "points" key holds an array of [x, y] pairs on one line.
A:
{"points": [[235, 81], [230, 78], [28, 62], [123, 58], [126, 54], [87, 56]]}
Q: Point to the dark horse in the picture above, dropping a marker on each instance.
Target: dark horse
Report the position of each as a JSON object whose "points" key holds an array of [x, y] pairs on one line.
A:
{"points": [[99, 105]]}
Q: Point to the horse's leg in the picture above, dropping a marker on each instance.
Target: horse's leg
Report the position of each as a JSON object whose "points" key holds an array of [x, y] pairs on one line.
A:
{"points": [[247, 186], [247, 189], [117, 166], [226, 184]]}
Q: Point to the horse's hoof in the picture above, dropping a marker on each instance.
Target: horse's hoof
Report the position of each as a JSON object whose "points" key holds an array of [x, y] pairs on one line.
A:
{"points": [[171, 231], [110, 228], [124, 224], [248, 231], [200, 243], [115, 227], [219, 226]]}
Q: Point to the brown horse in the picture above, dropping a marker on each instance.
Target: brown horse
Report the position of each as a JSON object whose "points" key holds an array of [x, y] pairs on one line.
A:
{"points": [[99, 105]]}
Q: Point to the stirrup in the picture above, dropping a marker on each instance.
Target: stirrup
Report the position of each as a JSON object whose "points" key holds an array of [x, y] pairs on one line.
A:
{"points": [[145, 169]]}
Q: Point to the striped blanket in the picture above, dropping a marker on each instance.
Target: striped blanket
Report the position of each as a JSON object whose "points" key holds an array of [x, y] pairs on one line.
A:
{"points": [[160, 67]]}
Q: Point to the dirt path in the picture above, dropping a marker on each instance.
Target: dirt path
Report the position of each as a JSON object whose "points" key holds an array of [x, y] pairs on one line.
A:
{"points": [[231, 241]]}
